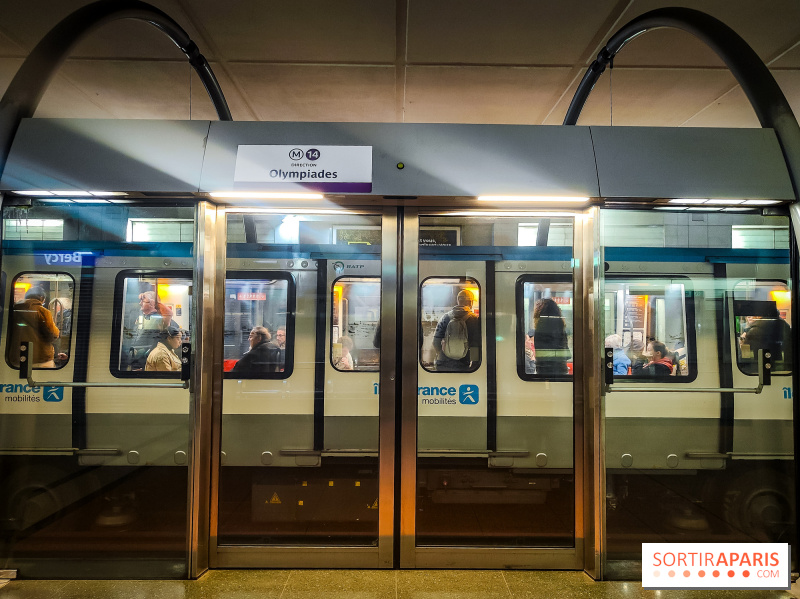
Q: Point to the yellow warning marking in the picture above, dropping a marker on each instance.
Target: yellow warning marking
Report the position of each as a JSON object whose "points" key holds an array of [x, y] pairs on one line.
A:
{"points": [[358, 483], [275, 498], [374, 506], [305, 483], [330, 483], [300, 502]]}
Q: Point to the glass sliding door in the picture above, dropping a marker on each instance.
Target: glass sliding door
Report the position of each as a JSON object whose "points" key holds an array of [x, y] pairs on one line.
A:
{"points": [[690, 298]]}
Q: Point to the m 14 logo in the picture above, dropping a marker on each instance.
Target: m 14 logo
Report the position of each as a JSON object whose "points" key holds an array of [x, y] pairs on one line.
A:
{"points": [[468, 394]]}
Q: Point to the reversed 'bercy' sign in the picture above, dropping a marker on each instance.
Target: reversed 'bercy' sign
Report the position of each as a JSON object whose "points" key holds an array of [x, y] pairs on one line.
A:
{"points": [[716, 566], [319, 168]]}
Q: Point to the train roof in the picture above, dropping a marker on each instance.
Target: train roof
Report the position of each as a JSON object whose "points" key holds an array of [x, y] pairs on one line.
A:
{"points": [[156, 157]]}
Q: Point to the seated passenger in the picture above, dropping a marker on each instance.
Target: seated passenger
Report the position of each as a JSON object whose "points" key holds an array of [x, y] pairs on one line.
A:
{"points": [[621, 361], [530, 352], [661, 363], [346, 361], [163, 357], [262, 358], [280, 343], [33, 322]]}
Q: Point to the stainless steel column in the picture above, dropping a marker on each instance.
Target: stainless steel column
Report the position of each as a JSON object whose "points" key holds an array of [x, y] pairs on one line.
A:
{"points": [[409, 266], [208, 308]]}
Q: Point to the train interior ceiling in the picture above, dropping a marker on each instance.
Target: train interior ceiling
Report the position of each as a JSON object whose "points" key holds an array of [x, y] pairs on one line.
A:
{"points": [[402, 377]]}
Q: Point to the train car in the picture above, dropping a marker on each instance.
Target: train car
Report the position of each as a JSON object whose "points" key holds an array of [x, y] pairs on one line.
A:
{"points": [[407, 367]]}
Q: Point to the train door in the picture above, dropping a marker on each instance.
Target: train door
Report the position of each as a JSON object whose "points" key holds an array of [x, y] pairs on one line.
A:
{"points": [[492, 342], [301, 479]]}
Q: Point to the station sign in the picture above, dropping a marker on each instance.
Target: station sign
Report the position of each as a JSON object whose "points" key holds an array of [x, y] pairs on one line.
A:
{"points": [[333, 169]]}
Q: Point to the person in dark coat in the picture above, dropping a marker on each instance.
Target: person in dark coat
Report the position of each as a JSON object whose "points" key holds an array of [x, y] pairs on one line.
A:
{"points": [[662, 362], [770, 332], [462, 310], [263, 357], [550, 338]]}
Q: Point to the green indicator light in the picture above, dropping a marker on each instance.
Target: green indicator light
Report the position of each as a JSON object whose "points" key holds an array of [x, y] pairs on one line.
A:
{"points": [[401, 166]]}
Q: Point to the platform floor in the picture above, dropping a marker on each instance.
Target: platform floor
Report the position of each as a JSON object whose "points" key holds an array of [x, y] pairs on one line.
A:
{"points": [[363, 584]]}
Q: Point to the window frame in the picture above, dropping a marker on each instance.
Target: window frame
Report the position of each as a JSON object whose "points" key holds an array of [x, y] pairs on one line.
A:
{"points": [[329, 332], [519, 302], [119, 315], [11, 312], [461, 279], [690, 325], [735, 337], [291, 308]]}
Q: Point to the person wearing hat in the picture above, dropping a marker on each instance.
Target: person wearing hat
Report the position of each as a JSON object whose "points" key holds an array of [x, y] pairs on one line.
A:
{"points": [[163, 356]]}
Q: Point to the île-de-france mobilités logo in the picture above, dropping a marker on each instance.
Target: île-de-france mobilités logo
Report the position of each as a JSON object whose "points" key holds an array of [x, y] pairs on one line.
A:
{"points": [[468, 394]]}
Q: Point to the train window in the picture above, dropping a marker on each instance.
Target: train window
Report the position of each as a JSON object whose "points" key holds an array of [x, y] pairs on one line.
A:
{"points": [[41, 312], [160, 229], [153, 317], [544, 328], [450, 324], [259, 327], [762, 312], [34, 229], [650, 325], [355, 323]]}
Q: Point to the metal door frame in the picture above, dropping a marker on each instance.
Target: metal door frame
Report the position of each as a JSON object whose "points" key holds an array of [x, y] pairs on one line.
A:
{"points": [[308, 556], [586, 389]]}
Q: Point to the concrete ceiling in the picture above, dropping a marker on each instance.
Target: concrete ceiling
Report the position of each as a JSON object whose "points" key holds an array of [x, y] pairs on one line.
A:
{"points": [[448, 61]]}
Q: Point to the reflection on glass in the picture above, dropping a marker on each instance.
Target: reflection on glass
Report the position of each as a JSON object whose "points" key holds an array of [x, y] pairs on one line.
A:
{"points": [[155, 320], [646, 325], [762, 312], [451, 327], [42, 315], [256, 318], [355, 323]]}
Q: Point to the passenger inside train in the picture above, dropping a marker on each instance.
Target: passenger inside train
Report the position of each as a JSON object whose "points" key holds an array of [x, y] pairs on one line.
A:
{"points": [[262, 358], [163, 357], [457, 337], [143, 328], [33, 322]]}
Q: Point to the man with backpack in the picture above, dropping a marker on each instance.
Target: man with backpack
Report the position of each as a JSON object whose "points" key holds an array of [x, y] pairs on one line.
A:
{"points": [[457, 339]]}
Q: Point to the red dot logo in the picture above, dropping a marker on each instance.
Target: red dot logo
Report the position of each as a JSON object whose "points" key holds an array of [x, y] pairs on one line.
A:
{"points": [[715, 573], [701, 573], [746, 573], [686, 573], [671, 573], [731, 573]]}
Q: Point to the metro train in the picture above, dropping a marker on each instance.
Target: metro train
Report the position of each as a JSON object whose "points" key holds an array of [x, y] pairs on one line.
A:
{"points": [[312, 421]]}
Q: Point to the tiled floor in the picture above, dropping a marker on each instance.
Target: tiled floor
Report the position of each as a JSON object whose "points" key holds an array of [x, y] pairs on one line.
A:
{"points": [[363, 584]]}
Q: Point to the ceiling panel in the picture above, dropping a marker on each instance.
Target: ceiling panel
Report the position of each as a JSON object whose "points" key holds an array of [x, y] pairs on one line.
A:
{"points": [[649, 97], [203, 109], [769, 28], [790, 60], [28, 23], [518, 32], [317, 93], [361, 31], [133, 89], [731, 110], [508, 95], [8, 47]]}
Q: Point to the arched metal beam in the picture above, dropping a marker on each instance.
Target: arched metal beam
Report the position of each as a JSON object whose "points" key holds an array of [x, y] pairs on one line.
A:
{"points": [[29, 84], [762, 90]]}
